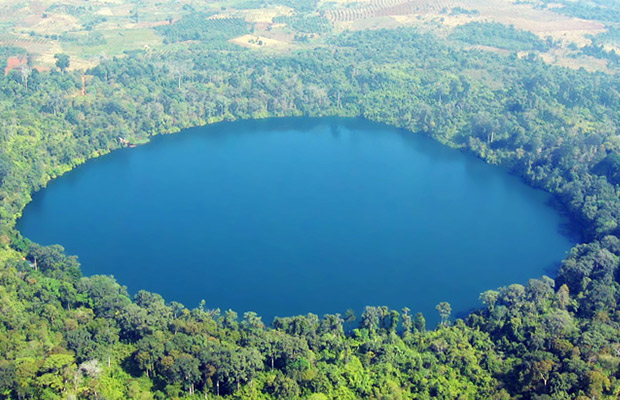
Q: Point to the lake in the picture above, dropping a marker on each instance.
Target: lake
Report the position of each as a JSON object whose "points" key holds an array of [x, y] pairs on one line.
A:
{"points": [[297, 215]]}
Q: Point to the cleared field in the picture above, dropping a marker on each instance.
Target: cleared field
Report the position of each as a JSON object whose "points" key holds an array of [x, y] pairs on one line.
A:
{"points": [[261, 42], [383, 8], [41, 27], [46, 27], [116, 41], [51, 24], [442, 16], [265, 15], [523, 16], [564, 58], [541, 22]]}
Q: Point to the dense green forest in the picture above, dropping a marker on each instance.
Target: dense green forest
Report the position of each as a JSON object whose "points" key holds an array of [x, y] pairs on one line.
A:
{"points": [[63, 335], [498, 35], [199, 27], [601, 10]]}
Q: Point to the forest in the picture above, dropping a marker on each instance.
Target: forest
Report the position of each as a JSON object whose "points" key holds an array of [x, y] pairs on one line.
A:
{"points": [[64, 335]]}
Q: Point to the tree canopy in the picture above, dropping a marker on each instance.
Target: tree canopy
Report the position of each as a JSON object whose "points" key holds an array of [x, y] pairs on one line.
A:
{"points": [[65, 335]]}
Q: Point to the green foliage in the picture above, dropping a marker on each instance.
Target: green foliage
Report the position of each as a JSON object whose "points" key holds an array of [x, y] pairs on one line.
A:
{"points": [[62, 61], [601, 10], [67, 336], [611, 36], [8, 51], [599, 51], [609, 167], [90, 39], [213, 32], [497, 35], [463, 11], [299, 5], [444, 309], [306, 23]]}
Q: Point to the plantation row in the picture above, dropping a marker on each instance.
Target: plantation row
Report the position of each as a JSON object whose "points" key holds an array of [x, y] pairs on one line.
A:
{"points": [[384, 8], [201, 27], [17, 42], [310, 24]]}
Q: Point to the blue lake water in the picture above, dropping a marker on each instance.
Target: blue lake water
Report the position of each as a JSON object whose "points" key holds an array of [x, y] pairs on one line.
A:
{"points": [[298, 215]]}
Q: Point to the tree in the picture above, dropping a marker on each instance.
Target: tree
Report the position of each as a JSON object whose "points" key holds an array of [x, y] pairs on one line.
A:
{"points": [[283, 387], [349, 316], [332, 323], [391, 321], [484, 126], [249, 362], [563, 297], [58, 370], [26, 71], [252, 321], [52, 261], [597, 383], [540, 371], [186, 371], [62, 61], [407, 321], [419, 322], [559, 323], [489, 299], [7, 378], [149, 350], [180, 69], [445, 310], [513, 295], [371, 318]]}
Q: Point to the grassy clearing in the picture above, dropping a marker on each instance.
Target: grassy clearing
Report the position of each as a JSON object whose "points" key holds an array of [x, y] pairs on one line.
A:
{"points": [[117, 41], [134, 25], [542, 22], [265, 15], [568, 59], [261, 42], [51, 24]]}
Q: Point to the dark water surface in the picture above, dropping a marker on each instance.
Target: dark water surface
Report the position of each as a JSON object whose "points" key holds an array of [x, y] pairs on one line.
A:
{"points": [[290, 216]]}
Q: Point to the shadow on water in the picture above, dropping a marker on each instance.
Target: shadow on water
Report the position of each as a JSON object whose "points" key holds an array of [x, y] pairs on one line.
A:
{"points": [[552, 269], [569, 227], [463, 314]]}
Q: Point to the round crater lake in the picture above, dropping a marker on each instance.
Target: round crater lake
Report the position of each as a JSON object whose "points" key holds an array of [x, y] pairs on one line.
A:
{"points": [[297, 215]]}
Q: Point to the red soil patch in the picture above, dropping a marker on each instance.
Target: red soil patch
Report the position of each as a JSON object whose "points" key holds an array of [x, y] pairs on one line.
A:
{"points": [[14, 62]]}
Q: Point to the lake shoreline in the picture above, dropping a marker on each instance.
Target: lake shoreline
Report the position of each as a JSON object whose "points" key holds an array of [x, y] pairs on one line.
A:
{"points": [[217, 133]]}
